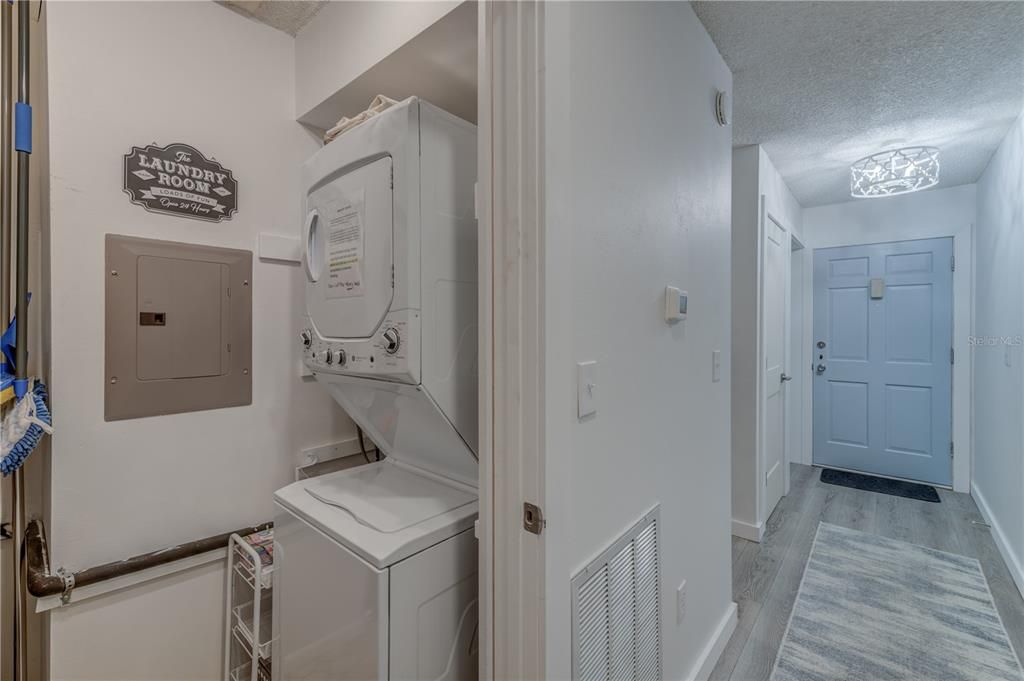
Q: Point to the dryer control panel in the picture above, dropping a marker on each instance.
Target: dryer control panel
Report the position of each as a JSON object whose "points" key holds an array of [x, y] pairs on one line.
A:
{"points": [[390, 354]]}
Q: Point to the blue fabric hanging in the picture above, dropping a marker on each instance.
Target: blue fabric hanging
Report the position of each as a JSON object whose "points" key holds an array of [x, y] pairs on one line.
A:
{"points": [[7, 364]]}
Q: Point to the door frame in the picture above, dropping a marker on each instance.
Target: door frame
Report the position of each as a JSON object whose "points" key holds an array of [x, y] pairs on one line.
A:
{"points": [[510, 209], [762, 390], [794, 357]]}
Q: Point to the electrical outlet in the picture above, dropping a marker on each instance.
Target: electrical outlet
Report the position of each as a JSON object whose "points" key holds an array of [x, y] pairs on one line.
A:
{"points": [[681, 602]]}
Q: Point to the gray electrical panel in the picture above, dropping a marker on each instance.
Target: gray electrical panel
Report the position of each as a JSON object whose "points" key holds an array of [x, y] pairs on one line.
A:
{"points": [[178, 327]]}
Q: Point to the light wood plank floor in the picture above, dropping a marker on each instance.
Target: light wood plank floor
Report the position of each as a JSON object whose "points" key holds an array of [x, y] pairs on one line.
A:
{"points": [[766, 576]]}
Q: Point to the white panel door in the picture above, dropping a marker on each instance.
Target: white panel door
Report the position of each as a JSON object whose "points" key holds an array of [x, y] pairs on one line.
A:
{"points": [[773, 335], [883, 334]]}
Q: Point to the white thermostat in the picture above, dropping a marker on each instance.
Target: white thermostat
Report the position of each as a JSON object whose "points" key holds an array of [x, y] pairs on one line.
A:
{"points": [[675, 304]]}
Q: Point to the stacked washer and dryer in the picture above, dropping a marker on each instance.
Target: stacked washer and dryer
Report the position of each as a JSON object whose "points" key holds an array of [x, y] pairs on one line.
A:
{"points": [[376, 566]]}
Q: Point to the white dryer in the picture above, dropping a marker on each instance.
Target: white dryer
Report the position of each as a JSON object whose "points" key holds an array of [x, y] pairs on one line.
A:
{"points": [[376, 567]]}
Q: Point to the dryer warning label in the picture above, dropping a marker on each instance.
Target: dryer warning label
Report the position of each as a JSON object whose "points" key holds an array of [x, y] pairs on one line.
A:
{"points": [[345, 247]]}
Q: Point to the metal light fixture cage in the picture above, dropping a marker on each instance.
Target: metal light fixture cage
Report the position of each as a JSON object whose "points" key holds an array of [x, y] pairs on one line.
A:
{"points": [[898, 171]]}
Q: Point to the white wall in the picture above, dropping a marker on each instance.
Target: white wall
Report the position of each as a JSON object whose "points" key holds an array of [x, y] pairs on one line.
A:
{"points": [[122, 488], [637, 188], [924, 215], [754, 179], [778, 198], [999, 367], [345, 39], [745, 258]]}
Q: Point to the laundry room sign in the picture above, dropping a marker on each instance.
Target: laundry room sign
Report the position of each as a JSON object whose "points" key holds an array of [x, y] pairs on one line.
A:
{"points": [[179, 180]]}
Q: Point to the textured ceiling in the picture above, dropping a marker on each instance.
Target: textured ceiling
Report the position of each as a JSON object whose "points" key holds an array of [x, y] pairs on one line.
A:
{"points": [[285, 15], [822, 84]]}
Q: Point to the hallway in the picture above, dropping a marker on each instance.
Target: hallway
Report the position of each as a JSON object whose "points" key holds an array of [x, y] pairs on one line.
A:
{"points": [[766, 576]]}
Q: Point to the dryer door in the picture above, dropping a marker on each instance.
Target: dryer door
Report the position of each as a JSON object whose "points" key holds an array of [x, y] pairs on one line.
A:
{"points": [[349, 251]]}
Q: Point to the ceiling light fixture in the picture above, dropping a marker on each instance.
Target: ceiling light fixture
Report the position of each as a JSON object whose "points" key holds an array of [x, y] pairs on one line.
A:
{"points": [[899, 171]]}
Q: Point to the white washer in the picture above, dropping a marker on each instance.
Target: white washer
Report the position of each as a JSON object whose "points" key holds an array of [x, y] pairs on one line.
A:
{"points": [[376, 567]]}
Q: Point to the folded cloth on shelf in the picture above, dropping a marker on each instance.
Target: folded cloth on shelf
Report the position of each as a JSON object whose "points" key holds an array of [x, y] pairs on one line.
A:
{"points": [[380, 103]]}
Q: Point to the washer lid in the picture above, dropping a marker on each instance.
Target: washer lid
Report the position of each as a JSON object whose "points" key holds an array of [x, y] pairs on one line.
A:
{"points": [[388, 498], [384, 511]]}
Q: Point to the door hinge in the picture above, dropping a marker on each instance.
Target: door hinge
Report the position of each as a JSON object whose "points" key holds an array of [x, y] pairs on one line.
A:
{"points": [[952, 356], [392, 276], [951, 450], [533, 518], [392, 177], [952, 263]]}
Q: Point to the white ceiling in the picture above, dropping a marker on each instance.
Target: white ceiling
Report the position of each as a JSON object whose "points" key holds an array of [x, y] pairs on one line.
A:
{"points": [[822, 84], [285, 15]]}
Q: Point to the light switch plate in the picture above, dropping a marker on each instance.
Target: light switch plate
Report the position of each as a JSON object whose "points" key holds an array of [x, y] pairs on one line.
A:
{"points": [[586, 388]]}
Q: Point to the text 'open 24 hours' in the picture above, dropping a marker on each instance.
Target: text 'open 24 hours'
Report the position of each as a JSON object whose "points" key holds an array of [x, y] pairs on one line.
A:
{"points": [[179, 180]]}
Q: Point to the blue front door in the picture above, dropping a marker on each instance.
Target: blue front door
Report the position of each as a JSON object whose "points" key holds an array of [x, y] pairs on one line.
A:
{"points": [[883, 335]]}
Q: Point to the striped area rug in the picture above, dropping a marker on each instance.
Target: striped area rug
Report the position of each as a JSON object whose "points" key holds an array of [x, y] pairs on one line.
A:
{"points": [[877, 609]]}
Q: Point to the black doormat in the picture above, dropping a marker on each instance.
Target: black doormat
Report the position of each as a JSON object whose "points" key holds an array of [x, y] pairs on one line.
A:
{"points": [[869, 483]]}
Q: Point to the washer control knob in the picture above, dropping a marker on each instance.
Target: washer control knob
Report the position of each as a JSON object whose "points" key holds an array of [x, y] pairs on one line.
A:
{"points": [[329, 356], [306, 337], [392, 341], [340, 356]]}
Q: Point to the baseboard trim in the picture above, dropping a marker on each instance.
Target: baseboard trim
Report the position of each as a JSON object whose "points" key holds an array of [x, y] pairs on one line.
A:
{"points": [[1013, 563], [716, 646], [747, 531]]}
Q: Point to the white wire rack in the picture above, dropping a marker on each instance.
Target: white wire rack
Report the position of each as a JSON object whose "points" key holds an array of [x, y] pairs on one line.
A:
{"points": [[248, 620]]}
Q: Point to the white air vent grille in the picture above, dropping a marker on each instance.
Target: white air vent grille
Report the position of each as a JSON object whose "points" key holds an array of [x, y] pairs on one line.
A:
{"points": [[616, 618]]}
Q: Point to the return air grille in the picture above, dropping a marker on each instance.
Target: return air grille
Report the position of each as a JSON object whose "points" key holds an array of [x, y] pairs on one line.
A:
{"points": [[616, 618]]}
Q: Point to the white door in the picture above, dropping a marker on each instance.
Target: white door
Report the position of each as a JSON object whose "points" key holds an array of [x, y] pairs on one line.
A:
{"points": [[883, 333], [773, 335]]}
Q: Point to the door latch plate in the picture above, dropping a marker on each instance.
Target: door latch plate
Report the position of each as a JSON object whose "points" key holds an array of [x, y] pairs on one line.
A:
{"points": [[533, 518]]}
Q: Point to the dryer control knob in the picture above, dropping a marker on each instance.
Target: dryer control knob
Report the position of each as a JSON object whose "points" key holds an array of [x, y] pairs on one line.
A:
{"points": [[306, 337], [329, 357], [340, 356], [392, 341]]}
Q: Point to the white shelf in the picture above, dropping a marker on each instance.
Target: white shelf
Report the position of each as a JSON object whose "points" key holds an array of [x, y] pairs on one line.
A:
{"points": [[243, 629], [247, 655], [247, 571], [243, 672]]}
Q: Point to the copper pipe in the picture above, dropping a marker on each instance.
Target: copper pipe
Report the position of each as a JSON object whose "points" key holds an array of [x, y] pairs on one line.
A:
{"points": [[41, 582]]}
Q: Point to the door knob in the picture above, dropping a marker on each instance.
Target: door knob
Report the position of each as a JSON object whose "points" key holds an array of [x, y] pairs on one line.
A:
{"points": [[820, 369], [784, 377]]}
